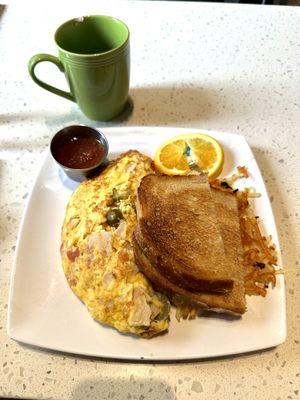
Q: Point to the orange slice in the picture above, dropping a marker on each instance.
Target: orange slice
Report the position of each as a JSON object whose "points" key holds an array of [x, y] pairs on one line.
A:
{"points": [[184, 153]]}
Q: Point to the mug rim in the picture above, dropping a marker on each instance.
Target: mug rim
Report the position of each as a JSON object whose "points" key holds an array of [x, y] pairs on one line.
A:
{"points": [[89, 55]]}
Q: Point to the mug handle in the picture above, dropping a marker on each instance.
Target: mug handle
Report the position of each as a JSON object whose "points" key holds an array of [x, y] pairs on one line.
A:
{"points": [[48, 57]]}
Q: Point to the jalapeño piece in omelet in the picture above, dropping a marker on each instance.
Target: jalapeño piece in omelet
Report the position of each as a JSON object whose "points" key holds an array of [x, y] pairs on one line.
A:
{"points": [[97, 254]]}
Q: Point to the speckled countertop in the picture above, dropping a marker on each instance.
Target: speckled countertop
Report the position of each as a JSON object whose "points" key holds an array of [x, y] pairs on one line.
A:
{"points": [[227, 67]]}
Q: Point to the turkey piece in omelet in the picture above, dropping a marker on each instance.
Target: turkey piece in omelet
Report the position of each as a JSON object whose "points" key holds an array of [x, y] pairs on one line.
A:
{"points": [[97, 254]]}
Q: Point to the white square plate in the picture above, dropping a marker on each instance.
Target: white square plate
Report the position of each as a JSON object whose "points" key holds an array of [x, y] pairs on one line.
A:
{"points": [[43, 311]]}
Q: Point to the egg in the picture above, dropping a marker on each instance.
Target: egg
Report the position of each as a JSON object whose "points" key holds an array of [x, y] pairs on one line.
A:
{"points": [[97, 254]]}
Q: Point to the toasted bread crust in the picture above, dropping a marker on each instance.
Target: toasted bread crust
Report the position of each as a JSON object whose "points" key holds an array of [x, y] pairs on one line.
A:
{"points": [[226, 206], [184, 281], [214, 302], [153, 261], [176, 216]]}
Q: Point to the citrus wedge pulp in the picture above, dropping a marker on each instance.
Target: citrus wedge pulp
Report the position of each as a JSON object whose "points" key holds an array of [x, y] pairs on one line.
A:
{"points": [[190, 152]]}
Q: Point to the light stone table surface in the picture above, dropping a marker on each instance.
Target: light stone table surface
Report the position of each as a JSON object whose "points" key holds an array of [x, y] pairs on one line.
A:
{"points": [[227, 67]]}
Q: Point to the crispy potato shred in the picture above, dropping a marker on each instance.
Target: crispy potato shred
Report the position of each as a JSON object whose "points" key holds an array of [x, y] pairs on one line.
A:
{"points": [[260, 258], [186, 312]]}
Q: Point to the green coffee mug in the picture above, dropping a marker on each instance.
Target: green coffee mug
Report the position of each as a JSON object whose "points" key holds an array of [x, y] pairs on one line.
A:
{"points": [[93, 52]]}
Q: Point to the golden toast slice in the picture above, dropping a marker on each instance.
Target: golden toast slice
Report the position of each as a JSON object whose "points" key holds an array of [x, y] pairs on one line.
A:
{"points": [[177, 221], [151, 262]]}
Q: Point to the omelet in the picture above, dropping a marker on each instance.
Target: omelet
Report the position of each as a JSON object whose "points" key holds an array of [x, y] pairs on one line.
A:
{"points": [[97, 253]]}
